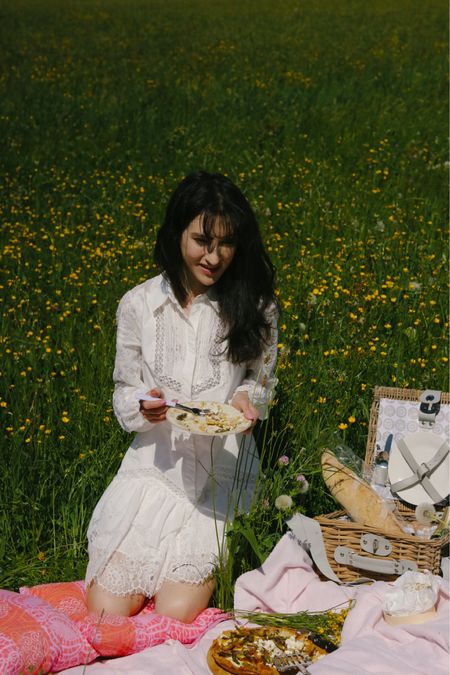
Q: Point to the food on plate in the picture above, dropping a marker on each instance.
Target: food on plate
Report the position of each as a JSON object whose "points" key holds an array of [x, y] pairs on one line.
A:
{"points": [[362, 503], [220, 419], [253, 651]]}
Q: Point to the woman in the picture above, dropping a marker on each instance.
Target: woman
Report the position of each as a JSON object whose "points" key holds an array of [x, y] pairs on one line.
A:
{"points": [[205, 329]]}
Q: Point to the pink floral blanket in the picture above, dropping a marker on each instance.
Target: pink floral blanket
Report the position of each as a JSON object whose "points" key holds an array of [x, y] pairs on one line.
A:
{"points": [[47, 628]]}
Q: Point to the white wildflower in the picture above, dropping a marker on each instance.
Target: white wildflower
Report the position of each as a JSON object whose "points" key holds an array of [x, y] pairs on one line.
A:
{"points": [[302, 484], [283, 502]]}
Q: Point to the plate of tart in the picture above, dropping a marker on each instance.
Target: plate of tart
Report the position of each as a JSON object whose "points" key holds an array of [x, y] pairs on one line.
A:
{"points": [[220, 419]]}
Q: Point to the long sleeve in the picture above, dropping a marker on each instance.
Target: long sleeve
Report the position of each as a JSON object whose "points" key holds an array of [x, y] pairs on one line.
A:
{"points": [[127, 369], [260, 381]]}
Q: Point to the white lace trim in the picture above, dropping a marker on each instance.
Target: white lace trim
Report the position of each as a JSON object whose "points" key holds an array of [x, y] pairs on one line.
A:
{"points": [[125, 576]]}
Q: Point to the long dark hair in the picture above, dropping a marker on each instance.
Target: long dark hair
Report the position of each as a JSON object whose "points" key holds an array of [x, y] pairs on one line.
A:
{"points": [[246, 288]]}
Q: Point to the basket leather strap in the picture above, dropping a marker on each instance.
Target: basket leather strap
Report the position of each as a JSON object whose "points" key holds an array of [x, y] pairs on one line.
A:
{"points": [[307, 531], [421, 472], [347, 556], [309, 534]]}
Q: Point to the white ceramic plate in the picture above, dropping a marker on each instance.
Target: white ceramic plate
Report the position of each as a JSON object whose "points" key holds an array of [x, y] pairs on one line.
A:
{"points": [[222, 421], [423, 445]]}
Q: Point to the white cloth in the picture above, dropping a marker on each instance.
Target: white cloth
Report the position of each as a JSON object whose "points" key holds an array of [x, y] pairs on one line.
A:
{"points": [[163, 515]]}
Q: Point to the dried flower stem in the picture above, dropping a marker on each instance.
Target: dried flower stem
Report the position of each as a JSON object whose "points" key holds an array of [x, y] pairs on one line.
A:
{"points": [[328, 622]]}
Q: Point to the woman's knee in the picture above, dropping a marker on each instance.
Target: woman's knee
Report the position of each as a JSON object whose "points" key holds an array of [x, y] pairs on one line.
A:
{"points": [[101, 601], [177, 608], [183, 602]]}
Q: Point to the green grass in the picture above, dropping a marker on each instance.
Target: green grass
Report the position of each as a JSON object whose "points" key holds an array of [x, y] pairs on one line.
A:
{"points": [[331, 116]]}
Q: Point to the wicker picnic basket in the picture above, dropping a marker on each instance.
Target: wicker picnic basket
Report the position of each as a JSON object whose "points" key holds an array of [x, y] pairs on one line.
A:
{"points": [[355, 550]]}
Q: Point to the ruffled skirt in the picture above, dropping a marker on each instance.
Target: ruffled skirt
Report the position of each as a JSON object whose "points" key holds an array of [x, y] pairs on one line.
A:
{"points": [[145, 530]]}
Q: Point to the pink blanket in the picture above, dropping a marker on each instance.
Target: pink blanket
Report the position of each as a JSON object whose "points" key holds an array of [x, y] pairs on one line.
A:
{"points": [[47, 628], [287, 583]]}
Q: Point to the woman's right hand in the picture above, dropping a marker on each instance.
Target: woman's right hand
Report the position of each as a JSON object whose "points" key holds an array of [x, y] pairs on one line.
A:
{"points": [[154, 411]]}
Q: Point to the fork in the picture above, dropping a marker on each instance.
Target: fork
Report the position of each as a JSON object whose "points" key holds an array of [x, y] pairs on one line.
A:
{"points": [[173, 404], [196, 411], [295, 662]]}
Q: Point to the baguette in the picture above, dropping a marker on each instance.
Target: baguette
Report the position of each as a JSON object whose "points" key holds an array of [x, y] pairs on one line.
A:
{"points": [[363, 504]]}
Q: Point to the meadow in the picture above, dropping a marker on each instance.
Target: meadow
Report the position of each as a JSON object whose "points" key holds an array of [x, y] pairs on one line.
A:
{"points": [[332, 118]]}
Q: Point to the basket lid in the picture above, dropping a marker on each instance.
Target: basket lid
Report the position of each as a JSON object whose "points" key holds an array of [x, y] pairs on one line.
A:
{"points": [[419, 468]]}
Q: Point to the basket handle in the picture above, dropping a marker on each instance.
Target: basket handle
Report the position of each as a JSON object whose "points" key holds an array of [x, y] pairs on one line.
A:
{"points": [[347, 556]]}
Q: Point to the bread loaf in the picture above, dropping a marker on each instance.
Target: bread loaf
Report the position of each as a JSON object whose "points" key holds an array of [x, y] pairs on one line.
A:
{"points": [[363, 504]]}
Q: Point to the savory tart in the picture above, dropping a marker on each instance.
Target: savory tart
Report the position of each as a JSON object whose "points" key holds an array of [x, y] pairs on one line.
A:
{"points": [[251, 651], [220, 420]]}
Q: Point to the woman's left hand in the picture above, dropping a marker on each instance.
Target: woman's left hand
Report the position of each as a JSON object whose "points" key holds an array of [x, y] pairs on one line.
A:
{"points": [[241, 402], [154, 411]]}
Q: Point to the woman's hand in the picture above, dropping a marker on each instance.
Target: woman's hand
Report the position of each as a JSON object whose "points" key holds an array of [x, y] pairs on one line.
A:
{"points": [[154, 411], [241, 402]]}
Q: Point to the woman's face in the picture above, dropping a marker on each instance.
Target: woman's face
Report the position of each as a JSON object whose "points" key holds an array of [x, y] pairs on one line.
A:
{"points": [[206, 257]]}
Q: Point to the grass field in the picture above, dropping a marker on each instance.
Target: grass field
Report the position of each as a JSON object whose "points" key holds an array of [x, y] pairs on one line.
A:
{"points": [[331, 116]]}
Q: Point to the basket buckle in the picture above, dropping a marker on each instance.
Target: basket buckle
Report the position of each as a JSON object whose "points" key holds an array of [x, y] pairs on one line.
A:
{"points": [[373, 543], [430, 404]]}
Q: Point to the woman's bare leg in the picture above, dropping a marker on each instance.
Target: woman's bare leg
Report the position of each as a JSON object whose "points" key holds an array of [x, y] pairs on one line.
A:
{"points": [[183, 601], [99, 600]]}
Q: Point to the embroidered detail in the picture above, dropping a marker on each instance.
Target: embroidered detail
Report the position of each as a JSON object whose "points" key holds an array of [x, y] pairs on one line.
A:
{"points": [[210, 362], [170, 353]]}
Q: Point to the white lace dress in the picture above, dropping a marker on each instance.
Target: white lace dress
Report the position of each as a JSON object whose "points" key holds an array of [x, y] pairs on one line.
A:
{"points": [[162, 517]]}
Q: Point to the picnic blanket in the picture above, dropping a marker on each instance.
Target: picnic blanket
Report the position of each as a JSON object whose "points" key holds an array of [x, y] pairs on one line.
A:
{"points": [[287, 583], [47, 628]]}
